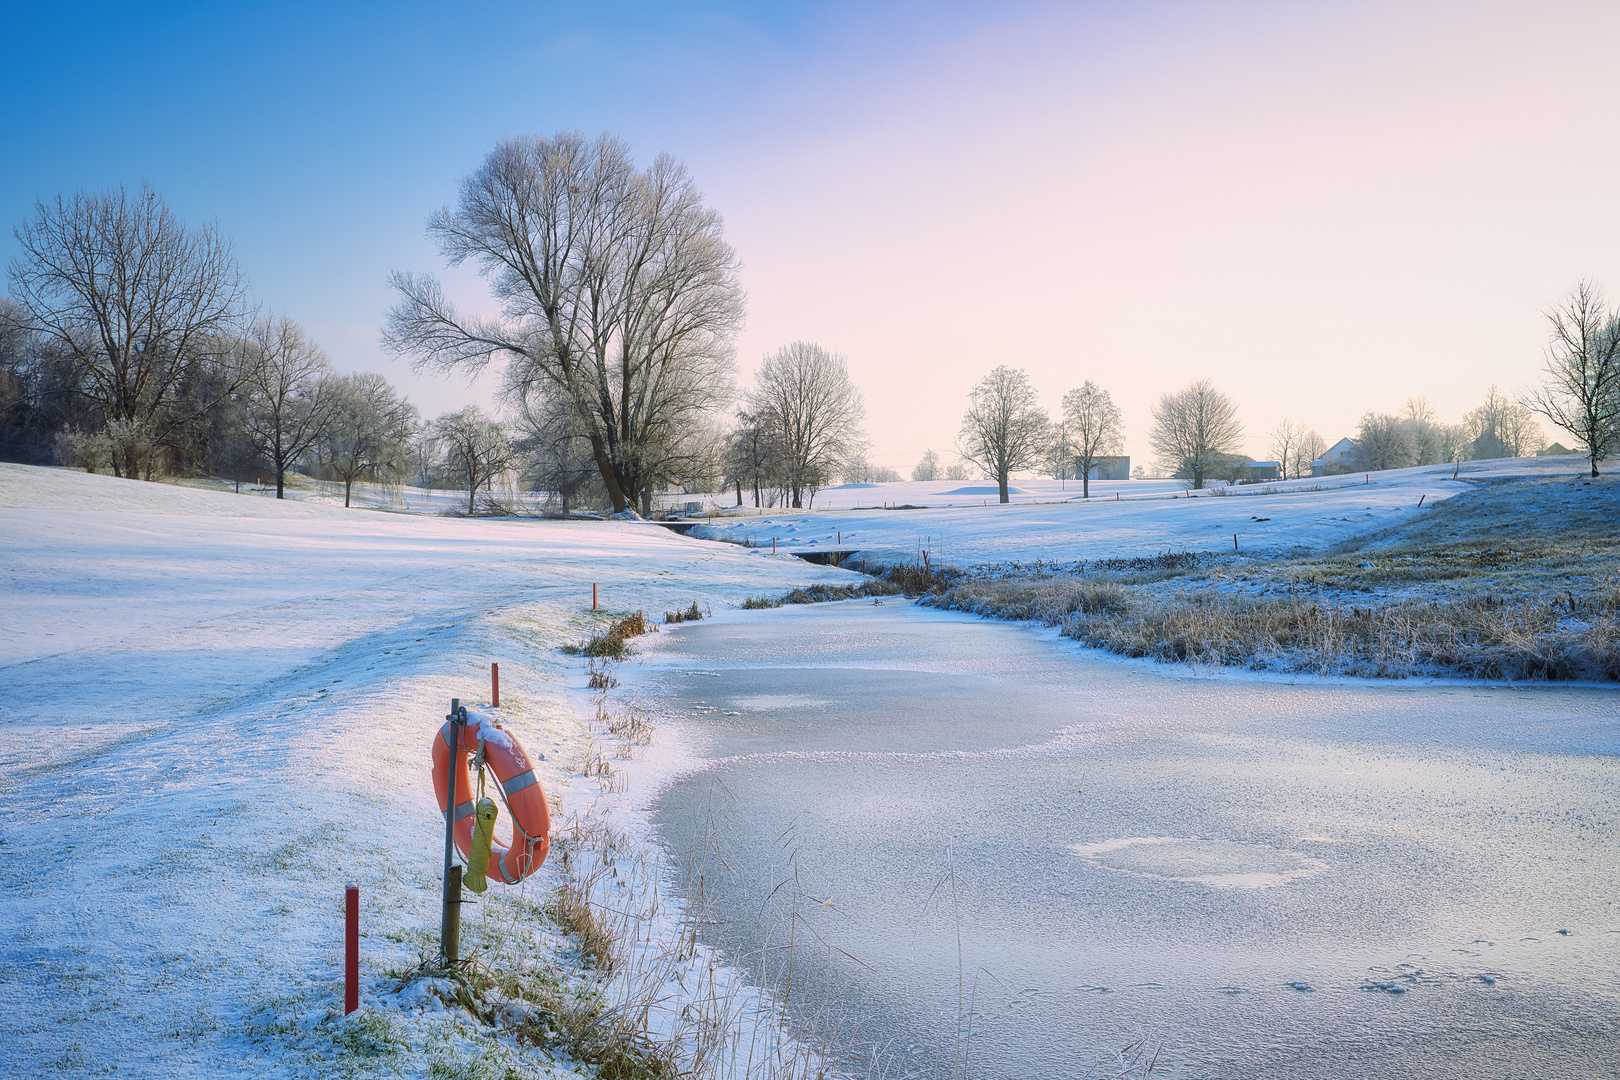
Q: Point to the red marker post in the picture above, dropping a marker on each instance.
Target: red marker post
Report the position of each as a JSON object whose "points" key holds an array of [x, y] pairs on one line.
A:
{"points": [[351, 950], [593, 596], [494, 686]]}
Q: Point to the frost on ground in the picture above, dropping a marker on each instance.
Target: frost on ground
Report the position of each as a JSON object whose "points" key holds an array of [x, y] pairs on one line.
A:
{"points": [[218, 713], [1514, 578]]}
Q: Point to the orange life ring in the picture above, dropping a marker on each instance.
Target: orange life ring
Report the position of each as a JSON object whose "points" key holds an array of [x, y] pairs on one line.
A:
{"points": [[525, 797]]}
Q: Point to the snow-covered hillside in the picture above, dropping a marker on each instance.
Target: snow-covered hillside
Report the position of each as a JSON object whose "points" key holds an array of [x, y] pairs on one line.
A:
{"points": [[1125, 519], [218, 711]]}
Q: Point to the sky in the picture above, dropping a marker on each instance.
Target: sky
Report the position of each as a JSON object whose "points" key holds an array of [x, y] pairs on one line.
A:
{"points": [[1324, 208]]}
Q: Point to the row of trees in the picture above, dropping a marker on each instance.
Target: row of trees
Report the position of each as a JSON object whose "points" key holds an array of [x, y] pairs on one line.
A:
{"points": [[128, 343]]}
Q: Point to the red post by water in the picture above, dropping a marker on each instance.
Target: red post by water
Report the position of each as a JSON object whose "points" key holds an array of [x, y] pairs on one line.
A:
{"points": [[773, 545], [351, 950], [494, 686]]}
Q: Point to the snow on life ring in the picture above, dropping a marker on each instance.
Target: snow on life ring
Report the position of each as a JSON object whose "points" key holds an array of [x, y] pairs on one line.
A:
{"points": [[531, 817]]}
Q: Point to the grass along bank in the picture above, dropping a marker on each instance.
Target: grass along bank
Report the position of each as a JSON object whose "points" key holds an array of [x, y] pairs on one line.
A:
{"points": [[1513, 579]]}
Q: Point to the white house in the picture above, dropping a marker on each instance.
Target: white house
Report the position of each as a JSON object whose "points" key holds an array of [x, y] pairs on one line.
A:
{"points": [[1337, 458]]}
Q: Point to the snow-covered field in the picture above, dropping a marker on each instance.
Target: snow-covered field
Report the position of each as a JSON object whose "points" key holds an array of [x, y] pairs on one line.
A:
{"points": [[218, 711], [1125, 519]]}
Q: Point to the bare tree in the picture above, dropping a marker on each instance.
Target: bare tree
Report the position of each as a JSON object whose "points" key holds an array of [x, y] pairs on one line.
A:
{"points": [[1004, 429], [1581, 389], [474, 449], [1094, 428], [617, 292], [1194, 429], [368, 436], [1307, 449], [817, 412], [1285, 440], [135, 301], [1501, 427], [751, 454], [288, 405], [957, 470], [928, 468]]}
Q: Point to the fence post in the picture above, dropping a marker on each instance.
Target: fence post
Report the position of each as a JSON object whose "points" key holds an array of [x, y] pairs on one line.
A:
{"points": [[351, 949]]}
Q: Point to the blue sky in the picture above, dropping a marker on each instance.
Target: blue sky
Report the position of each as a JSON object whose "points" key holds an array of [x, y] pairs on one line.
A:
{"points": [[1325, 208]]}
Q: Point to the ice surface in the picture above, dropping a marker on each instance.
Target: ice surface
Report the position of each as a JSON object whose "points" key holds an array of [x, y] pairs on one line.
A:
{"points": [[1126, 851]]}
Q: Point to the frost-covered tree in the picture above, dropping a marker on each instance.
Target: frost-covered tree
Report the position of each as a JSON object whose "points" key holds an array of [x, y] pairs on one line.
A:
{"points": [[1580, 389], [473, 450], [1383, 442], [928, 468], [1501, 427], [132, 304], [1194, 430], [617, 292], [288, 404], [804, 392], [1093, 428], [956, 470], [1004, 429], [369, 432]]}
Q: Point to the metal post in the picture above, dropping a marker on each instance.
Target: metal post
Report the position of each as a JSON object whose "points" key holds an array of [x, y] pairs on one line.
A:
{"points": [[351, 949], [450, 920]]}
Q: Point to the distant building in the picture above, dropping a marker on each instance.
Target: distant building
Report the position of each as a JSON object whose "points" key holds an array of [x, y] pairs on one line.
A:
{"points": [[1261, 470], [1111, 468], [1555, 450], [1338, 458]]}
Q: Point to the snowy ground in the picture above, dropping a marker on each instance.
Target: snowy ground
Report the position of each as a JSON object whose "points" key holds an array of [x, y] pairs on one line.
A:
{"points": [[218, 711], [1124, 519]]}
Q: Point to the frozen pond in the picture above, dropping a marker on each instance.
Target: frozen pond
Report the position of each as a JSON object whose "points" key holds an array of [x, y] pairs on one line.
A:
{"points": [[1058, 854]]}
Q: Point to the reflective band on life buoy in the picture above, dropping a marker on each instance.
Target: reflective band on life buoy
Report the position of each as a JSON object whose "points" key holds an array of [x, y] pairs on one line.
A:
{"points": [[525, 797]]}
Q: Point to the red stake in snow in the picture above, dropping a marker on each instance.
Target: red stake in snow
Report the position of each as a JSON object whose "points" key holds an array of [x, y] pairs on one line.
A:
{"points": [[593, 596], [494, 686], [351, 950]]}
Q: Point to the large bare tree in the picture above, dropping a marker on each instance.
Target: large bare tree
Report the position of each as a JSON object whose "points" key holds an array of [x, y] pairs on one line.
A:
{"points": [[136, 301], [1194, 429], [816, 413], [288, 405], [1093, 428], [617, 291], [1581, 389], [1005, 429]]}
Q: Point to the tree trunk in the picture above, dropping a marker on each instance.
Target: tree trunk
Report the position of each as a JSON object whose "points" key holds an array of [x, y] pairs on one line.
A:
{"points": [[281, 473], [739, 491], [347, 485], [1085, 478], [1001, 477]]}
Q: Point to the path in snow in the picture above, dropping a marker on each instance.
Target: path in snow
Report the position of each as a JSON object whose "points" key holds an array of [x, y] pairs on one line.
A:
{"points": [[218, 711]]}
